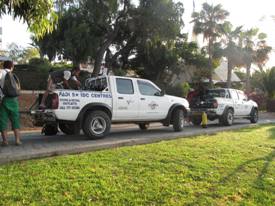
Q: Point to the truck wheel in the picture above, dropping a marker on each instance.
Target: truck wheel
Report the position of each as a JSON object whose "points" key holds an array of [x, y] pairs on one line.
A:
{"points": [[196, 121], [49, 129], [143, 126], [178, 120], [69, 128], [228, 117], [254, 116], [96, 125]]}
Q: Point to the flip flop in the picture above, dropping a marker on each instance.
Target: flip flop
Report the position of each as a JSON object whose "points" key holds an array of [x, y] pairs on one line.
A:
{"points": [[4, 144], [18, 143]]}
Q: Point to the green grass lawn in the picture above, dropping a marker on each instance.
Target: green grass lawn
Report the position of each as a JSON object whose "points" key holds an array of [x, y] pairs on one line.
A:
{"points": [[230, 168]]}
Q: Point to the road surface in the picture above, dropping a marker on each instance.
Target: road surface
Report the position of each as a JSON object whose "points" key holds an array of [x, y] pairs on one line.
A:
{"points": [[36, 145]]}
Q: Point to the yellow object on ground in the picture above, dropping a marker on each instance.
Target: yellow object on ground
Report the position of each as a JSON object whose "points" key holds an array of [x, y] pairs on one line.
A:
{"points": [[204, 120]]}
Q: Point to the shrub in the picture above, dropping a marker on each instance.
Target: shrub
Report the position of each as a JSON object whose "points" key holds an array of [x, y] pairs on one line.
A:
{"points": [[177, 90], [259, 98]]}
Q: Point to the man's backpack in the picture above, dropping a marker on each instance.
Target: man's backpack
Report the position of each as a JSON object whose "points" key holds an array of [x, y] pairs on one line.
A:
{"points": [[11, 86], [1, 95]]}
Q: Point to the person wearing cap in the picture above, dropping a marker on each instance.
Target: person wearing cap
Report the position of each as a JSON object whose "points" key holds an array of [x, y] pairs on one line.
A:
{"points": [[60, 77]]}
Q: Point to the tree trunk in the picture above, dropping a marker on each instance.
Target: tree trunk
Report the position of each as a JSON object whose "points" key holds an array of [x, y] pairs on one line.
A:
{"points": [[229, 73], [102, 49], [210, 72], [261, 67], [124, 51], [247, 81], [99, 56], [210, 65]]}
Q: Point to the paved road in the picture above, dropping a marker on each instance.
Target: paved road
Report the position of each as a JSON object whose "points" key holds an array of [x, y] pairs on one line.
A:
{"points": [[36, 145]]}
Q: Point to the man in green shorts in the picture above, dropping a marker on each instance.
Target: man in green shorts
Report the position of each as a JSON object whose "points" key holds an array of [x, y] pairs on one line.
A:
{"points": [[9, 109]]}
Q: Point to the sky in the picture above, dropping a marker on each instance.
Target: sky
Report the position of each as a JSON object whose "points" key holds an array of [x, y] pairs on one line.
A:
{"points": [[248, 13]]}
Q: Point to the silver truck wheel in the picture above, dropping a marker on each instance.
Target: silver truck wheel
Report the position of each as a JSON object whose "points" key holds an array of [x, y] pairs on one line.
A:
{"points": [[228, 117], [96, 125], [178, 120]]}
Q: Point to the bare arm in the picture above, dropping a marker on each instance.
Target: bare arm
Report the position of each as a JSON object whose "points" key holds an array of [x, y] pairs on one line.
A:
{"points": [[66, 84]]}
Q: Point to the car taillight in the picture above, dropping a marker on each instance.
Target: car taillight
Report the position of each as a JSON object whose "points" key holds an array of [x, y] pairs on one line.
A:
{"points": [[215, 104], [55, 101]]}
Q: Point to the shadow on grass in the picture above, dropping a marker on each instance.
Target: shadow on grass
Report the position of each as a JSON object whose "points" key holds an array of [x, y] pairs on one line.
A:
{"points": [[257, 183], [272, 133], [267, 160], [246, 130]]}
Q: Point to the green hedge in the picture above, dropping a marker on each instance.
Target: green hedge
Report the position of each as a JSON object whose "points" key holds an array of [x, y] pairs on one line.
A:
{"points": [[34, 76]]}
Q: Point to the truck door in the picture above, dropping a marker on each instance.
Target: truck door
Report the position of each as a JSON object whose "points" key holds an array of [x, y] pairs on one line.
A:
{"points": [[237, 103], [153, 105], [246, 107], [125, 99]]}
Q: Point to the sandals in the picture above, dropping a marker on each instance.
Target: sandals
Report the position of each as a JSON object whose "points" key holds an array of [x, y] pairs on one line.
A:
{"points": [[18, 143], [4, 144]]}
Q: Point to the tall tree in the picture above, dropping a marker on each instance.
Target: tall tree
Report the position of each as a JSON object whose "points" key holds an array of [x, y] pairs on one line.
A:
{"points": [[210, 22], [106, 18], [262, 51], [112, 29], [157, 61], [254, 50], [232, 51], [15, 52], [38, 14]]}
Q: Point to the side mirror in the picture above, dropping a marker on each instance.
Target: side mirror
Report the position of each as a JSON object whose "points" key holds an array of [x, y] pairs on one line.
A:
{"points": [[162, 92]]}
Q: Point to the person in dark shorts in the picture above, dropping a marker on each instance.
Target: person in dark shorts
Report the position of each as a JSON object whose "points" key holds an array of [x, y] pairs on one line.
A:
{"points": [[60, 77], [9, 109]]}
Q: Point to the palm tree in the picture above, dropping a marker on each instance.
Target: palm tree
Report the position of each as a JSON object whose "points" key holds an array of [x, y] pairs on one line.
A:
{"points": [[209, 22], [255, 50], [232, 51], [262, 51]]}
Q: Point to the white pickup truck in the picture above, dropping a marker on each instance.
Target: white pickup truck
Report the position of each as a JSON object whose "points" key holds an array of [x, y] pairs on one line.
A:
{"points": [[110, 99], [225, 105]]}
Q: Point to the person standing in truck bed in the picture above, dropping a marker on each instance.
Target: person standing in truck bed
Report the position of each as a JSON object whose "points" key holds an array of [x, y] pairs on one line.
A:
{"points": [[57, 77]]}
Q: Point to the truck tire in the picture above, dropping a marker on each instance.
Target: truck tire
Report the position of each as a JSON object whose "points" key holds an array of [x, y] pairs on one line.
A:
{"points": [[97, 124], [69, 128], [254, 116], [178, 120], [228, 117], [49, 129], [196, 120], [143, 126]]}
